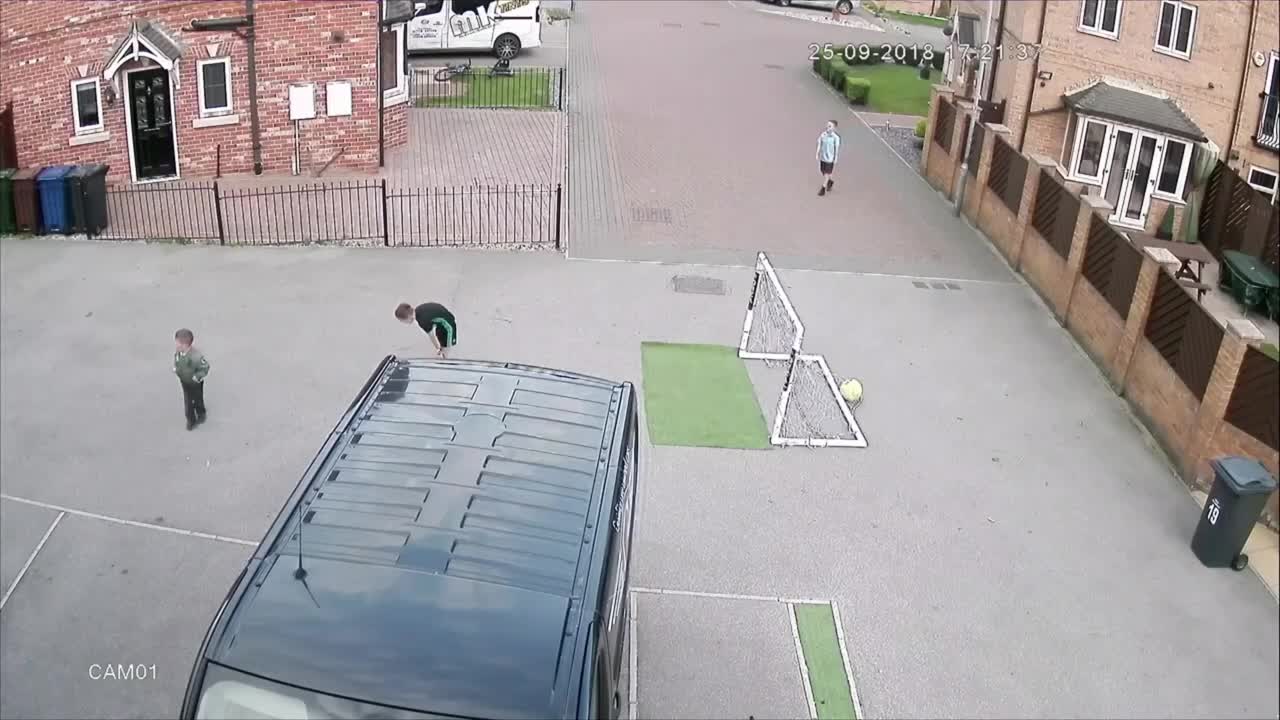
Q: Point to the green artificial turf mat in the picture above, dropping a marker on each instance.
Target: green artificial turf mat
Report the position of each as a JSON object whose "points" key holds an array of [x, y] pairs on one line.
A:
{"points": [[832, 695], [700, 396]]}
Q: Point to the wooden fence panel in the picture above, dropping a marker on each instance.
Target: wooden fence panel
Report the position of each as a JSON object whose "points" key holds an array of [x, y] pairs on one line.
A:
{"points": [[1256, 396], [1054, 216], [1184, 333], [943, 125], [1236, 216], [1111, 265]]}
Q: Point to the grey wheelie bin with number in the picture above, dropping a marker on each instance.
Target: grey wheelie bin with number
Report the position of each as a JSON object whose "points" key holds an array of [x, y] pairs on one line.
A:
{"points": [[1240, 489], [88, 198]]}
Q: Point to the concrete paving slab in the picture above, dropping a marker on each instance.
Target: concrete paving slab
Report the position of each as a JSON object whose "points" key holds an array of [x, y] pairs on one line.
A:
{"points": [[101, 595], [21, 529], [705, 657]]}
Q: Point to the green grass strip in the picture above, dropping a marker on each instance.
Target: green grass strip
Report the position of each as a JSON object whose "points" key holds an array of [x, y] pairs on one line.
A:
{"points": [[700, 396], [832, 695], [522, 90]]}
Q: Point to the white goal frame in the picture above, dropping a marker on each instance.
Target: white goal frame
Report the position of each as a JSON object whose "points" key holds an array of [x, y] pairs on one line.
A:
{"points": [[859, 440], [764, 270]]}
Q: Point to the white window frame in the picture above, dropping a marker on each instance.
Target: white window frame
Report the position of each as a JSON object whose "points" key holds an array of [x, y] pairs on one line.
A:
{"points": [[400, 93], [75, 106], [1272, 191], [1172, 50], [1077, 148], [1176, 197], [206, 111], [1098, 31], [1273, 67]]}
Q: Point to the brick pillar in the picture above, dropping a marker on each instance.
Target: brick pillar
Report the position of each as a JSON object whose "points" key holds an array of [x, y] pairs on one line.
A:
{"points": [[1144, 291], [1075, 257], [990, 132], [935, 92], [1029, 188], [1222, 381]]}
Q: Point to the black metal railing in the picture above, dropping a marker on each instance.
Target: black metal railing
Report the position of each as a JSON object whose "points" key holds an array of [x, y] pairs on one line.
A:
{"points": [[482, 87], [355, 212], [1269, 122]]}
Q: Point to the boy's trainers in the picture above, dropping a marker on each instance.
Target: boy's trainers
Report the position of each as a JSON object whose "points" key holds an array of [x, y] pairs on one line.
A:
{"points": [[822, 191], [830, 184]]}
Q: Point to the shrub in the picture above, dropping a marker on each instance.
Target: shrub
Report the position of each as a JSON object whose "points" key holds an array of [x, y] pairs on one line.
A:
{"points": [[820, 66], [938, 59], [836, 71], [920, 126], [857, 89], [853, 57]]}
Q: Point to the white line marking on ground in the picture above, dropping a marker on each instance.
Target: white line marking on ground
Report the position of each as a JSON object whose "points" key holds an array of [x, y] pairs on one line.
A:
{"points": [[804, 667], [633, 680], [844, 655], [30, 559], [784, 270], [728, 596], [132, 523]]}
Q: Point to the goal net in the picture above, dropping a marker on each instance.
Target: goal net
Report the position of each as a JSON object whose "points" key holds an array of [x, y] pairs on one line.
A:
{"points": [[811, 411], [771, 331]]}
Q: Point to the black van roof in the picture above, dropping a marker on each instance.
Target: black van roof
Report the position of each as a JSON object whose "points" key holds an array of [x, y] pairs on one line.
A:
{"points": [[447, 538]]}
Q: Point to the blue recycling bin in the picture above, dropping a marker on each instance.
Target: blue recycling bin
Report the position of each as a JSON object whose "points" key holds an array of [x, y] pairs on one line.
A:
{"points": [[55, 196]]}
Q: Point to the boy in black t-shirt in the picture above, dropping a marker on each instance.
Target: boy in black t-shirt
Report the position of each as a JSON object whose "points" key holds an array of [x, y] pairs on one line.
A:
{"points": [[435, 320]]}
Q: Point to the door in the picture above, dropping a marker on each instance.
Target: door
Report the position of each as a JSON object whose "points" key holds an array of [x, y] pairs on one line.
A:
{"points": [[151, 124], [1129, 177], [427, 29], [471, 24]]}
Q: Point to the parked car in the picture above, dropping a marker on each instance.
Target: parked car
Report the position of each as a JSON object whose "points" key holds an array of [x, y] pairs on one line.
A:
{"points": [[458, 548], [844, 7]]}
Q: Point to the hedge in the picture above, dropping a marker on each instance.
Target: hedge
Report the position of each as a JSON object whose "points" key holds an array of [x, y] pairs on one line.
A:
{"points": [[857, 89]]}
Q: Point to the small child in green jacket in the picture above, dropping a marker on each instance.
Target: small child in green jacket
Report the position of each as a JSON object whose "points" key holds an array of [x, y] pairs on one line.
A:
{"points": [[191, 367]]}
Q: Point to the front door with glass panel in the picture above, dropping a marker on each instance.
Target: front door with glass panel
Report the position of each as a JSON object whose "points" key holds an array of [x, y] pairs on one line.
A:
{"points": [[1128, 176], [154, 154]]}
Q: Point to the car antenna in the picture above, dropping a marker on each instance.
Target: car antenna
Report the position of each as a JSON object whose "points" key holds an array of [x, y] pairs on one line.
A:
{"points": [[301, 572]]}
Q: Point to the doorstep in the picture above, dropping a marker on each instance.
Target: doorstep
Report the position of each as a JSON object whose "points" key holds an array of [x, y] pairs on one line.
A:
{"points": [[1263, 549]]}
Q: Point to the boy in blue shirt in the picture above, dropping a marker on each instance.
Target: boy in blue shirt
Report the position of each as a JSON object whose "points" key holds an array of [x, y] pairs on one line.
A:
{"points": [[828, 154]]}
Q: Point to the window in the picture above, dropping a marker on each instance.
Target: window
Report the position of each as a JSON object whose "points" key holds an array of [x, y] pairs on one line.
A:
{"points": [[1172, 177], [430, 7], [1091, 140], [391, 70], [1100, 17], [1269, 113], [967, 30], [1176, 29], [1264, 181], [215, 86], [86, 105]]}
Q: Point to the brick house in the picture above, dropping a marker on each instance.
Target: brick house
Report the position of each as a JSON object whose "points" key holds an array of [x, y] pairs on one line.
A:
{"points": [[1123, 93], [166, 89]]}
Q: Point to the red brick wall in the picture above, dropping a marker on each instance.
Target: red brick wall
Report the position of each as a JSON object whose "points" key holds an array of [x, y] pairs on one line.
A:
{"points": [[44, 49], [1094, 323]]}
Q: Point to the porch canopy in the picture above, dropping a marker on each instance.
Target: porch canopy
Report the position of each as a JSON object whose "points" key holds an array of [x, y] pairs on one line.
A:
{"points": [[143, 40], [1108, 101]]}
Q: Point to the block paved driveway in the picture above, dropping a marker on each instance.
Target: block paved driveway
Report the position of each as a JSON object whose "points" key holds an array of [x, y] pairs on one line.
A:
{"points": [[1007, 547], [692, 128]]}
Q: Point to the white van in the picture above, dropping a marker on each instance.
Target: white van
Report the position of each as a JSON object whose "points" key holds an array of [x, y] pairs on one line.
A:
{"points": [[502, 26]]}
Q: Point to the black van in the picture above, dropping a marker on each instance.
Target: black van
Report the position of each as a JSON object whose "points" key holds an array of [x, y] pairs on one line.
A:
{"points": [[458, 548]]}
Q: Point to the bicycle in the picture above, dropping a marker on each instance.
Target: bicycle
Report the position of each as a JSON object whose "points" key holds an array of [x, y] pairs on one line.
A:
{"points": [[447, 72]]}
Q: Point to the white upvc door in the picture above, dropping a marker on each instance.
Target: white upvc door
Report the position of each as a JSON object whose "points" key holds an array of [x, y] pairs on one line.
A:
{"points": [[1129, 176]]}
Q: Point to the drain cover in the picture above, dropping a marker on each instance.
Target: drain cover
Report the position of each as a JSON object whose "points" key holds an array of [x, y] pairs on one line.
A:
{"points": [[672, 25], [708, 23], [771, 66], [697, 285], [952, 286], [921, 285], [651, 215]]}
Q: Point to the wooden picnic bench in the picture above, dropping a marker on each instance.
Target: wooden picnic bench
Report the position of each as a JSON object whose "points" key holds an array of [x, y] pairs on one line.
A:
{"points": [[1183, 255], [1252, 283]]}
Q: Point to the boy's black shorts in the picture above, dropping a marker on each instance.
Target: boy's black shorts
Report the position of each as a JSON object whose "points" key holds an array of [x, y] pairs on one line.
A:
{"points": [[443, 337], [826, 167]]}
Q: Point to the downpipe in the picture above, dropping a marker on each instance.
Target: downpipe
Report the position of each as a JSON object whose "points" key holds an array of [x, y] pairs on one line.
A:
{"points": [[964, 170]]}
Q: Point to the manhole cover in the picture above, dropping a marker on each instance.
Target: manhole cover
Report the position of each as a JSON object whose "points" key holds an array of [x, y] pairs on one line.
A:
{"points": [[708, 23], [771, 66], [697, 285], [651, 215], [672, 25]]}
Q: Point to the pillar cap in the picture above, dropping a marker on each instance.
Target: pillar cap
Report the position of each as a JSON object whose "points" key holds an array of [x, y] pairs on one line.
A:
{"points": [[1245, 330]]}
